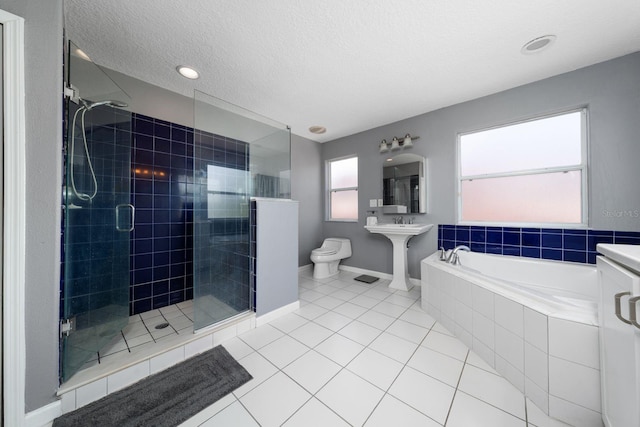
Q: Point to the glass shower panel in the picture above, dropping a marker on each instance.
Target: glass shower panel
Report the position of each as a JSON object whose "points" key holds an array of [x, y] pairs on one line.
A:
{"points": [[98, 216], [225, 138]]}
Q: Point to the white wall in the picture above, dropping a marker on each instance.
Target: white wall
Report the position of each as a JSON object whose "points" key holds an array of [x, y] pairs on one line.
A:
{"points": [[43, 83]]}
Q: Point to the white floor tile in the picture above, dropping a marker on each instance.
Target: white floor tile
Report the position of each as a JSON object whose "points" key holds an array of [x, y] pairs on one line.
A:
{"points": [[492, 389], [234, 415], [392, 412], [418, 317], [446, 344], [344, 294], [389, 309], [312, 371], [310, 311], [333, 321], [468, 411], [376, 368], [437, 365], [408, 331], [311, 334], [339, 349], [537, 418], [365, 301], [315, 414], [259, 368], [423, 393], [237, 348], [210, 411], [360, 332], [377, 294], [328, 302], [438, 327], [288, 322], [283, 351], [377, 320], [275, 400], [339, 394], [350, 310], [475, 360], [401, 300], [310, 295], [261, 336], [395, 347]]}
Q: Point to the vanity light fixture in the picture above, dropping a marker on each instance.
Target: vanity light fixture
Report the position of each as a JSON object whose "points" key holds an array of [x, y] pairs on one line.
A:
{"points": [[397, 143], [187, 72]]}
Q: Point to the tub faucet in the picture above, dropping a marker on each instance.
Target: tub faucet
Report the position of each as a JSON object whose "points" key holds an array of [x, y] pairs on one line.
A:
{"points": [[453, 257]]}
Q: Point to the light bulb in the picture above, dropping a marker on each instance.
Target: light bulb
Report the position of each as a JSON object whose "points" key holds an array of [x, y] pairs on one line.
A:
{"points": [[407, 141], [395, 144], [383, 146]]}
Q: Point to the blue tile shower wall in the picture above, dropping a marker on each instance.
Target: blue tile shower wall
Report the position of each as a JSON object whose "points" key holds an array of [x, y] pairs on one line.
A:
{"points": [[546, 243], [162, 241]]}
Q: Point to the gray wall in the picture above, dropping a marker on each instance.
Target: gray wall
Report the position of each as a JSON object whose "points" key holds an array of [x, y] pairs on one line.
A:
{"points": [[610, 90], [43, 81], [306, 187]]}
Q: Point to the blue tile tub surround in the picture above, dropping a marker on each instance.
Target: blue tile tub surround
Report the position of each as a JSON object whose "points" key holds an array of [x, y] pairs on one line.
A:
{"points": [[547, 243]]}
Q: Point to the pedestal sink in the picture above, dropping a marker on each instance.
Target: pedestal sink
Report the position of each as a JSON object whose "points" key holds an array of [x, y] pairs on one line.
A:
{"points": [[399, 234]]}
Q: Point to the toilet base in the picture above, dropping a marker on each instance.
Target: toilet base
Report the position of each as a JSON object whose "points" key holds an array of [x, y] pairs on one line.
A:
{"points": [[325, 270]]}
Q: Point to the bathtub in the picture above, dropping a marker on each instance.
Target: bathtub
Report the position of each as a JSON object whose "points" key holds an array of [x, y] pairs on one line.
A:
{"points": [[533, 321]]}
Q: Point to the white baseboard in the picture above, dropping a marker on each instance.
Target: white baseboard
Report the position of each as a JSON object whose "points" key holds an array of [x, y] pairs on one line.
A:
{"points": [[414, 282], [305, 268], [278, 312], [43, 416]]}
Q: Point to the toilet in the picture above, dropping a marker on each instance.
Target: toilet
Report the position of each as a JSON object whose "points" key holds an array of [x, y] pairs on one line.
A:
{"points": [[327, 257]]}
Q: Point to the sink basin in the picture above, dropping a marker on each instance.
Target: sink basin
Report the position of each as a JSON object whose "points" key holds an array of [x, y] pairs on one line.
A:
{"points": [[401, 229], [399, 234]]}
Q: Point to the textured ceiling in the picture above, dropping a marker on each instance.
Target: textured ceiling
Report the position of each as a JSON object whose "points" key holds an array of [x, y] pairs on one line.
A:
{"points": [[348, 65]]}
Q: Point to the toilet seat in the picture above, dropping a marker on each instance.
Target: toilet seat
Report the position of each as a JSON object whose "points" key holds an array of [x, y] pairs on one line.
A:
{"points": [[321, 251]]}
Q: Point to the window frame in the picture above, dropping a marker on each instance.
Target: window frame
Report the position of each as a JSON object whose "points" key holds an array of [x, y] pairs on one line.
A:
{"points": [[583, 167], [329, 190]]}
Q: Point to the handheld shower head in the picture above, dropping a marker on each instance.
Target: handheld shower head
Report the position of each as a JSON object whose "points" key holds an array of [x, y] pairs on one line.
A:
{"points": [[109, 102]]}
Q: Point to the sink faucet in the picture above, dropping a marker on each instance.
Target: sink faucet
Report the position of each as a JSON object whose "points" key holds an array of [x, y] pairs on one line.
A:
{"points": [[453, 257], [398, 220]]}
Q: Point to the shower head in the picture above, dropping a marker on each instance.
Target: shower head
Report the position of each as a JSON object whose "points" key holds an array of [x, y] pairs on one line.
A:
{"points": [[109, 102]]}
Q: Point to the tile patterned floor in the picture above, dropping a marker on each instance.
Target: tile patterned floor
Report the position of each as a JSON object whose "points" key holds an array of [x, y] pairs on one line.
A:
{"points": [[357, 354]]}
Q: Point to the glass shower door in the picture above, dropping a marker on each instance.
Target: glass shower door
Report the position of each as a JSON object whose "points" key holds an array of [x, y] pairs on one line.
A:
{"points": [[228, 145], [98, 216]]}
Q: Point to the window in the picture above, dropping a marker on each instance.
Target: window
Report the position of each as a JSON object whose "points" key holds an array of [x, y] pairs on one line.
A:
{"points": [[532, 173], [342, 194]]}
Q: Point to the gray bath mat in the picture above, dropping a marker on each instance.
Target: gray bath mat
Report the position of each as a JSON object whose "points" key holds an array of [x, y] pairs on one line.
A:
{"points": [[166, 398], [365, 278]]}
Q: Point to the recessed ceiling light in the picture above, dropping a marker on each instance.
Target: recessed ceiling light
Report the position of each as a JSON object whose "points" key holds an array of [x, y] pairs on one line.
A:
{"points": [[538, 44], [317, 129], [187, 72]]}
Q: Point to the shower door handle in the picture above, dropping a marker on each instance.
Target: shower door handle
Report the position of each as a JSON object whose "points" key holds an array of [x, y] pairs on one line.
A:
{"points": [[132, 211]]}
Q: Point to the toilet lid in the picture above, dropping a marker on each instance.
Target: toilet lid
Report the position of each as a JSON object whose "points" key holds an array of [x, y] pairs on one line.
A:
{"points": [[321, 251]]}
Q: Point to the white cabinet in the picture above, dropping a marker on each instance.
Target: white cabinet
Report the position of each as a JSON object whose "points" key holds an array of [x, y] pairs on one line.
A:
{"points": [[619, 342]]}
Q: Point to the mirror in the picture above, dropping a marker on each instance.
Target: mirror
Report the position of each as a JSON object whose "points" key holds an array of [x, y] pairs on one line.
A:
{"points": [[404, 184]]}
